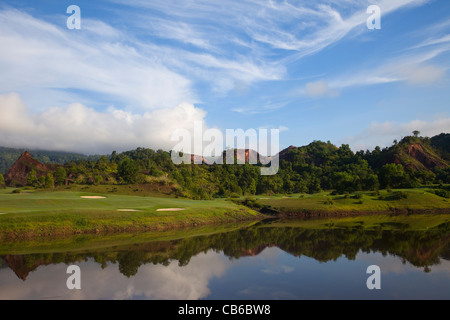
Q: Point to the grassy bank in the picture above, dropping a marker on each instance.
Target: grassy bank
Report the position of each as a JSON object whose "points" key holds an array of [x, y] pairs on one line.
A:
{"points": [[324, 203], [101, 242], [40, 213], [415, 222]]}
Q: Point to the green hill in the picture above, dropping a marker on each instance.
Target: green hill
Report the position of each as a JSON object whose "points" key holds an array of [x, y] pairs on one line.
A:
{"points": [[413, 162]]}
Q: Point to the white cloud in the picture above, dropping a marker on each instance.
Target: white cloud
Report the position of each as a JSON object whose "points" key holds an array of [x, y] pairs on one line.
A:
{"points": [[230, 43], [296, 29], [266, 107], [179, 31], [413, 68], [320, 89], [423, 75], [383, 134], [151, 282], [82, 129], [391, 264], [278, 269], [38, 57]]}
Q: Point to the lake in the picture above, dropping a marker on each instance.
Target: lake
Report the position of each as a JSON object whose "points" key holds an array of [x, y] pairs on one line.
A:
{"points": [[276, 259]]}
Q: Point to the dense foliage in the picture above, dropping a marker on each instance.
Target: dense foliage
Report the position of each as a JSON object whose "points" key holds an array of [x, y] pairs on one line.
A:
{"points": [[308, 169]]}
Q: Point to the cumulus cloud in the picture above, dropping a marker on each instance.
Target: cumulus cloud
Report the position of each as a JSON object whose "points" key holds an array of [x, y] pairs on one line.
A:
{"points": [[79, 128], [383, 134]]}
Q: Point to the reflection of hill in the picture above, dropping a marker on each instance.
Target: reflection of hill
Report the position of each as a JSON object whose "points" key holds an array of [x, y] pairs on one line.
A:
{"points": [[22, 265], [420, 248]]}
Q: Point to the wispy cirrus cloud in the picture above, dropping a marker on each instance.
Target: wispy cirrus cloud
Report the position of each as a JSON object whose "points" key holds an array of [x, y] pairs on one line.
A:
{"points": [[266, 107], [39, 55], [179, 44], [295, 28], [416, 67]]}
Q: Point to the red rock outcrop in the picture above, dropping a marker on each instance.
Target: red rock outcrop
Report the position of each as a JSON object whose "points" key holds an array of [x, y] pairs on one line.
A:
{"points": [[18, 173], [21, 266]]}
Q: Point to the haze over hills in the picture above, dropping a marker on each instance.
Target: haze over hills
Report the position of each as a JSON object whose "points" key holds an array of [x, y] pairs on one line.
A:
{"points": [[9, 155]]}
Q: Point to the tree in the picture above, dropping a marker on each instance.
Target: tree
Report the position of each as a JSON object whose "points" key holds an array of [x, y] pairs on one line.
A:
{"points": [[41, 181], [344, 182], [314, 186], [128, 170], [32, 178], [2, 181], [98, 179], [416, 133], [49, 181], [102, 164], [392, 175], [371, 182], [60, 176]]}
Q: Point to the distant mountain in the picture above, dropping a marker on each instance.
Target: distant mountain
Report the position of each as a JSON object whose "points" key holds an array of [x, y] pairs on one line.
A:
{"points": [[9, 155]]}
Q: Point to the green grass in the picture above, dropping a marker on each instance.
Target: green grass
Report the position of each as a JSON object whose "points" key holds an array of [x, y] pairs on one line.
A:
{"points": [[417, 199], [147, 190], [99, 242], [39, 213], [34, 213], [416, 222]]}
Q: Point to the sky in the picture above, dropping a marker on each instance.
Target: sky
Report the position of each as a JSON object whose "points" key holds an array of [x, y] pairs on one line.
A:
{"points": [[136, 71]]}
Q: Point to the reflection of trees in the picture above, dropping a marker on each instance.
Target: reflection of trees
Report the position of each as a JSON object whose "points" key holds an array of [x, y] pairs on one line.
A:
{"points": [[420, 248], [445, 254], [129, 262]]}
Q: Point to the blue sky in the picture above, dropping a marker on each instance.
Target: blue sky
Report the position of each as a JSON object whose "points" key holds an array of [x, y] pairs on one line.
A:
{"points": [[138, 70]]}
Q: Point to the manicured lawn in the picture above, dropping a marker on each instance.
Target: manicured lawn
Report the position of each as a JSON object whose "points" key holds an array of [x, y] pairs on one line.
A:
{"points": [[33, 213], [46, 213]]}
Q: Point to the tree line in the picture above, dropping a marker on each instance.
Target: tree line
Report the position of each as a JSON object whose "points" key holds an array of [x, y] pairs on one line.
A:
{"points": [[308, 169]]}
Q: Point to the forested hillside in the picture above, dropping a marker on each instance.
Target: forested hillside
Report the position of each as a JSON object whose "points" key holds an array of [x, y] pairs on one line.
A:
{"points": [[411, 162]]}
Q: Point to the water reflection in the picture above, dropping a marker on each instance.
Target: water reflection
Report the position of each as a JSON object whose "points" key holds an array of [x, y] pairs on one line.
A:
{"points": [[151, 282], [258, 262]]}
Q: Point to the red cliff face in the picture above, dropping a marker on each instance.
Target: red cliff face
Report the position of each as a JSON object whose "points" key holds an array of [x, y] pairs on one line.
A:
{"points": [[417, 152], [18, 173], [422, 159], [21, 266], [241, 156]]}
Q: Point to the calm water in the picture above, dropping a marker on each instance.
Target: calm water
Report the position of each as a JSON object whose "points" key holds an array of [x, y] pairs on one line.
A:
{"points": [[259, 262]]}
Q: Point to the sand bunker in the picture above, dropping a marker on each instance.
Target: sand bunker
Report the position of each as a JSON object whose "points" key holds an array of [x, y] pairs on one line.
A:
{"points": [[3, 213], [127, 210], [92, 197], [171, 209]]}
